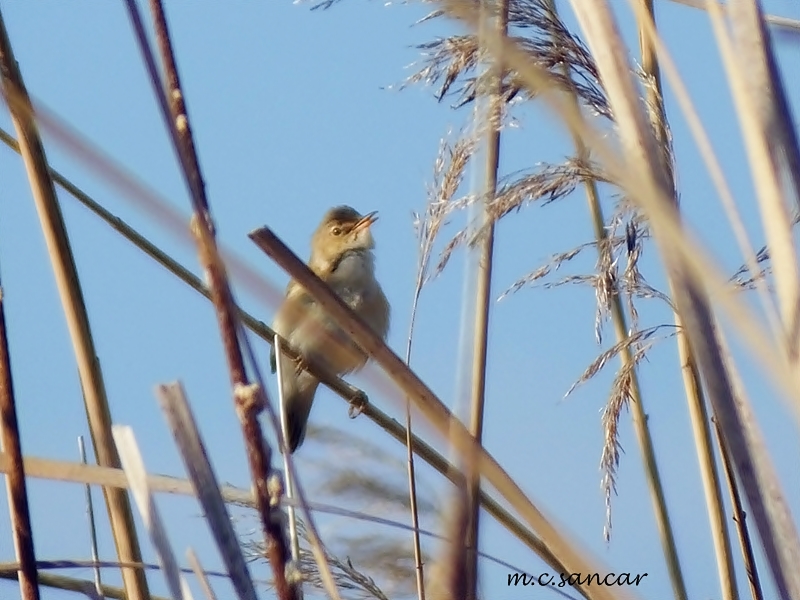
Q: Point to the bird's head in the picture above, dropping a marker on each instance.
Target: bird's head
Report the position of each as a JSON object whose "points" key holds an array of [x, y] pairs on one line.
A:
{"points": [[343, 229]]}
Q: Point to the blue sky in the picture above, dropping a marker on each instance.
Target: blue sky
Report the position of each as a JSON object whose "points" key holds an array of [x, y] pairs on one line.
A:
{"points": [[292, 112]]}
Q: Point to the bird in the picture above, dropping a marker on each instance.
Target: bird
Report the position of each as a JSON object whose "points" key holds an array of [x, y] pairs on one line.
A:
{"points": [[342, 256]]}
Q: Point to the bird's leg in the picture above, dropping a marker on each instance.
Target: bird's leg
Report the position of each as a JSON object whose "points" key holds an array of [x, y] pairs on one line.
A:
{"points": [[357, 404]]}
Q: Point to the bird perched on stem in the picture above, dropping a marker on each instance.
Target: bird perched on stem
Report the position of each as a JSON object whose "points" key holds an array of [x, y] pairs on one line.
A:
{"points": [[341, 255]]}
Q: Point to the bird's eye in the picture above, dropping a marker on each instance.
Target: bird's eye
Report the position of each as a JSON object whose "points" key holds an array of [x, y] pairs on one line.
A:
{"points": [[336, 231]]}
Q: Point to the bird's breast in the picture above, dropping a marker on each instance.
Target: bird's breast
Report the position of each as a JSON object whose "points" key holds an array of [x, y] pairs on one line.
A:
{"points": [[354, 278]]}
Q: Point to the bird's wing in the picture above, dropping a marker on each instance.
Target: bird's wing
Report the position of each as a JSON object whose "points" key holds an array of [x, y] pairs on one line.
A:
{"points": [[290, 313]]}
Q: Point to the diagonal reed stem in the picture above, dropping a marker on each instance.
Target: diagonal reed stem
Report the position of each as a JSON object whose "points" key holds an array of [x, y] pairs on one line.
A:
{"points": [[346, 391], [431, 407], [69, 288], [22, 531]]}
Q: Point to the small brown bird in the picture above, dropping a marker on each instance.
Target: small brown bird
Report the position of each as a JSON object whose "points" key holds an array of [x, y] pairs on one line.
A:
{"points": [[341, 255]]}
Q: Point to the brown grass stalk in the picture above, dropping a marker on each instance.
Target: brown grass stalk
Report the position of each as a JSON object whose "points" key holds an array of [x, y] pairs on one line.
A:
{"points": [[81, 586], [248, 402], [204, 485], [22, 532], [758, 96], [480, 342], [412, 497], [68, 284], [739, 517]]}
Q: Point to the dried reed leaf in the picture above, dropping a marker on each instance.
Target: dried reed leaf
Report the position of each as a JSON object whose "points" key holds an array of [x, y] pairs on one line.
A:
{"points": [[133, 465]]}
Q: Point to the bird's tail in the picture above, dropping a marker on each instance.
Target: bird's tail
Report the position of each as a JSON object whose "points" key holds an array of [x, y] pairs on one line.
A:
{"points": [[298, 396]]}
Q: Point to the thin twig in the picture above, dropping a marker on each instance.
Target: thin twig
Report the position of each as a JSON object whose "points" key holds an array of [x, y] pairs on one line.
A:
{"points": [[739, 517], [69, 288], [98, 584], [10, 444], [293, 539]]}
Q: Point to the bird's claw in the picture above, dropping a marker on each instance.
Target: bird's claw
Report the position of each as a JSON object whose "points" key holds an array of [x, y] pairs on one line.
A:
{"points": [[357, 404], [300, 364]]}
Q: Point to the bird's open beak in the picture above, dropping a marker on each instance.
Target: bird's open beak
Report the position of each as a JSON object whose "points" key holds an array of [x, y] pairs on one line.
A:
{"points": [[366, 221]]}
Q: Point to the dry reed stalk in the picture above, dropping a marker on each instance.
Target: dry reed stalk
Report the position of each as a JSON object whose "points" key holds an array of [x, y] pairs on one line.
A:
{"points": [[758, 95], [457, 577], [651, 50], [10, 444], [778, 22], [81, 586], [419, 571], [205, 486], [760, 472], [68, 284], [449, 167], [431, 407], [248, 400], [284, 435], [480, 343], [739, 517], [135, 471], [98, 584], [202, 578]]}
